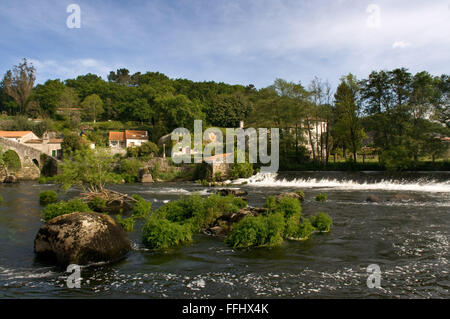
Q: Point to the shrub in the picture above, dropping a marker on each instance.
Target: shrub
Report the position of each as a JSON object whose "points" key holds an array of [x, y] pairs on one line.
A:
{"points": [[129, 169], [301, 194], [321, 197], [11, 160], [48, 197], [160, 233], [241, 170], [288, 206], [97, 204], [200, 212], [322, 222], [141, 208], [260, 231], [126, 223], [305, 230], [270, 204], [62, 208]]}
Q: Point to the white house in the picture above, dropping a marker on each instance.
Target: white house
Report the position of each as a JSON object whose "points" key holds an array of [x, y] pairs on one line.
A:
{"points": [[127, 139]]}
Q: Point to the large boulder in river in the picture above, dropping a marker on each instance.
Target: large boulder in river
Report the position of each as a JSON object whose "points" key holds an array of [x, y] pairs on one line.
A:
{"points": [[81, 238]]}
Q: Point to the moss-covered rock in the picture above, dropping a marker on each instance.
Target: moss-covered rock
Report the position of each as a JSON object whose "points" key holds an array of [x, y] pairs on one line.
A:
{"points": [[81, 238]]}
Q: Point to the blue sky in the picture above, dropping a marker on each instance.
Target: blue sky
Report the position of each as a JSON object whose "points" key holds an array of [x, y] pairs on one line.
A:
{"points": [[234, 41]]}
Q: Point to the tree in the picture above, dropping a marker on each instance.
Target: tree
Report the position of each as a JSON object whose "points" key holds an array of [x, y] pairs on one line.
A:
{"points": [[19, 83], [347, 124], [228, 110], [48, 95], [89, 169], [92, 107]]}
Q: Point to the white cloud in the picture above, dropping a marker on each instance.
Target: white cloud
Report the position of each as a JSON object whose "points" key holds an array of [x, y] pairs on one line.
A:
{"points": [[400, 44], [65, 69]]}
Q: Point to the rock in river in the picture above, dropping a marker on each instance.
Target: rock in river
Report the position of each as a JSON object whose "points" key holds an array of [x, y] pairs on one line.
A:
{"points": [[234, 192], [290, 195], [81, 238], [373, 199]]}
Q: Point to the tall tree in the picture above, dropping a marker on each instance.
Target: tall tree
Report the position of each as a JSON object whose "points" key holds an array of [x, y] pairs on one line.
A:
{"points": [[92, 107], [348, 126], [19, 83]]}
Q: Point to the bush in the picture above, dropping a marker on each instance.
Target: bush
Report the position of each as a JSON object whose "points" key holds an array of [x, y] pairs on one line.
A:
{"points": [[141, 208], [288, 206], [305, 230], [396, 158], [97, 204], [260, 231], [270, 204], [11, 160], [48, 197], [321, 197], [129, 169], [62, 208], [301, 194], [126, 223], [160, 233], [322, 222], [200, 212], [241, 170]]}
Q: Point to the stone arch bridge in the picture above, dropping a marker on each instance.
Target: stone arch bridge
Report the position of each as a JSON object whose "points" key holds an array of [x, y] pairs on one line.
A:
{"points": [[31, 159]]}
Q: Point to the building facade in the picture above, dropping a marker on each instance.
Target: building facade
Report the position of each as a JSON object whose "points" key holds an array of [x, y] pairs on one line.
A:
{"points": [[127, 139]]}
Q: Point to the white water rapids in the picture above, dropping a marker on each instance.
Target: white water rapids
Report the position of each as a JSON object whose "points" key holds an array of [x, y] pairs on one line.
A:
{"points": [[270, 180]]}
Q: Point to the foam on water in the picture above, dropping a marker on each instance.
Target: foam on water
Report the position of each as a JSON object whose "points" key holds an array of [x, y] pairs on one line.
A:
{"points": [[270, 180]]}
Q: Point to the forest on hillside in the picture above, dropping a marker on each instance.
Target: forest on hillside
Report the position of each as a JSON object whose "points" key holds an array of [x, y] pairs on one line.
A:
{"points": [[402, 117]]}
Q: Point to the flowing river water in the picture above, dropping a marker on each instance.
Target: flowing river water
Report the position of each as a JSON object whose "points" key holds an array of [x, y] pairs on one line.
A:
{"points": [[408, 239]]}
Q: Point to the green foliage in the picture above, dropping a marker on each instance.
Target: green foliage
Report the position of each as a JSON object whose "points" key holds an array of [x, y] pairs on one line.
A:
{"points": [[147, 149], [126, 223], [301, 194], [97, 204], [63, 207], [92, 107], [241, 170], [129, 169], [1, 199], [270, 204], [48, 197], [306, 229], [160, 233], [321, 197], [396, 158], [91, 169], [322, 222], [11, 160], [188, 215], [288, 207], [141, 208], [260, 231], [72, 143]]}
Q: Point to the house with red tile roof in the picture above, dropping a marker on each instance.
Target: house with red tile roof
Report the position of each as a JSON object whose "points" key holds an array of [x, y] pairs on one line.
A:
{"points": [[126, 139], [48, 144]]}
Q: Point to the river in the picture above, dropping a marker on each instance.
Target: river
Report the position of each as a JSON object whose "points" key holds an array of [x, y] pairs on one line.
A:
{"points": [[408, 240]]}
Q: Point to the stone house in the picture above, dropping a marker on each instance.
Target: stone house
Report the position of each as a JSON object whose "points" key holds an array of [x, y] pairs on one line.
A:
{"points": [[49, 144]]}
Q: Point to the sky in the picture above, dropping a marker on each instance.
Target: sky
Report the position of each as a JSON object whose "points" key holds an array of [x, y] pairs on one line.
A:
{"points": [[233, 41]]}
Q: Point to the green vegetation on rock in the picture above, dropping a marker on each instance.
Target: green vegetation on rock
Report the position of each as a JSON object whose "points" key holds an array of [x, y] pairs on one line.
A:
{"points": [[63, 207], [321, 197], [48, 197]]}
